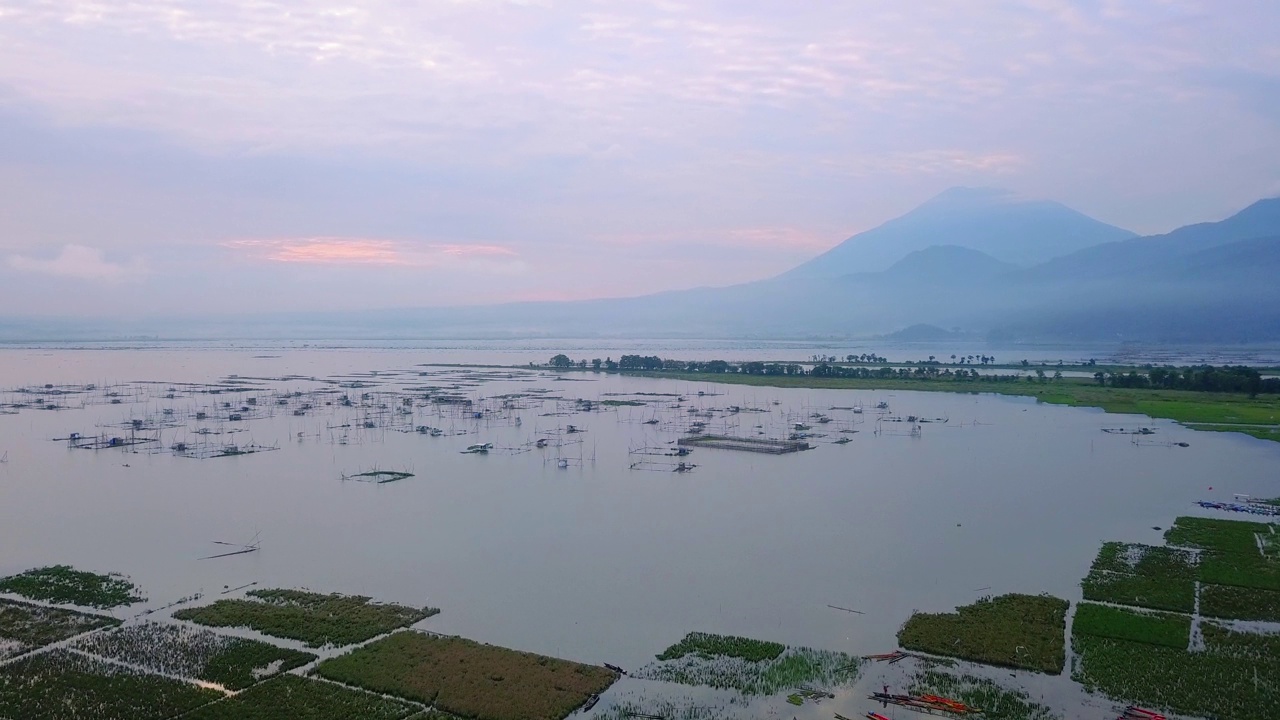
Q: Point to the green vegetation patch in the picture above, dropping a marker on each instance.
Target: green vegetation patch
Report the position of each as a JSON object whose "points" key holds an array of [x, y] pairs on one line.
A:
{"points": [[622, 403], [751, 667], [727, 645], [1228, 536], [1148, 591], [996, 701], [468, 678], [1146, 560], [313, 618], [1147, 627], [297, 698], [1022, 631], [1250, 570], [25, 627], [62, 584], [184, 651], [62, 684], [1239, 603], [380, 476], [1236, 676]]}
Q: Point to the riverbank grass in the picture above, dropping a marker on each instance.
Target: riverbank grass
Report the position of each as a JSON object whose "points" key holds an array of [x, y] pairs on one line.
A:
{"points": [[298, 698], [1167, 629]]}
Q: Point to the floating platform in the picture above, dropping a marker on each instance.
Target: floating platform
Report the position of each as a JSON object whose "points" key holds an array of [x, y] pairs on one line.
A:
{"points": [[760, 445]]}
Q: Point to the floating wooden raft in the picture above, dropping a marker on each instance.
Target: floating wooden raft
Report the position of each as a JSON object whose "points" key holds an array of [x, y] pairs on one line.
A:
{"points": [[760, 445]]}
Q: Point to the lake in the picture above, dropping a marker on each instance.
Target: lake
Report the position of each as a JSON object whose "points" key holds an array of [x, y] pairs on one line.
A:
{"points": [[597, 561]]}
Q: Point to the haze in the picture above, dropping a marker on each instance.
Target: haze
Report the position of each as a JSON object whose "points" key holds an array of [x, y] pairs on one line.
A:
{"points": [[162, 157]]}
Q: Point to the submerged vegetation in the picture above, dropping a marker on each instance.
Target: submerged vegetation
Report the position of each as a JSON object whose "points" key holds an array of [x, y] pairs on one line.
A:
{"points": [[62, 584], [1021, 631], [1165, 629], [25, 627], [313, 618], [63, 684], [469, 679], [751, 667], [1159, 578], [235, 663], [297, 698], [995, 701]]}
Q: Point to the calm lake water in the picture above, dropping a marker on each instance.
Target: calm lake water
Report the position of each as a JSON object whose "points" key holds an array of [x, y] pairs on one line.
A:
{"points": [[596, 561]]}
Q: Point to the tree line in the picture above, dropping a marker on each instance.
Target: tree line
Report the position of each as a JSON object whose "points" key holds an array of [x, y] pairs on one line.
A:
{"points": [[1201, 378]]}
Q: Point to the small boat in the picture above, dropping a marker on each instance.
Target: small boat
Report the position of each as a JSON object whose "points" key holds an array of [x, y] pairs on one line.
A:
{"points": [[615, 668], [592, 699], [876, 716]]}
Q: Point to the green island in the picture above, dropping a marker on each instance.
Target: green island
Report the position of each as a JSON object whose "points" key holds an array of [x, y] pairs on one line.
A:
{"points": [[298, 698], [180, 650], [1201, 397], [1018, 631], [379, 476], [750, 667], [313, 618], [64, 585], [469, 679], [25, 627]]}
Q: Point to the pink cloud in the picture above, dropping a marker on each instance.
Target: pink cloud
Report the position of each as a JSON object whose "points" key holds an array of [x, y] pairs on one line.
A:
{"points": [[363, 251]]}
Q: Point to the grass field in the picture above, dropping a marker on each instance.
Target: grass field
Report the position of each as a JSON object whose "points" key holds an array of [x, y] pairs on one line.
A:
{"points": [[1228, 536], [468, 678], [1020, 631], [751, 667]]}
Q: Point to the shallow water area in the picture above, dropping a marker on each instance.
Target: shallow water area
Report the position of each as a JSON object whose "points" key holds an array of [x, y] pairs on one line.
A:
{"points": [[586, 548]]}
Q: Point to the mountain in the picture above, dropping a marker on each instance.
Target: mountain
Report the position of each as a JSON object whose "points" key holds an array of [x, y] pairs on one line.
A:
{"points": [[1259, 220], [997, 222], [947, 263]]}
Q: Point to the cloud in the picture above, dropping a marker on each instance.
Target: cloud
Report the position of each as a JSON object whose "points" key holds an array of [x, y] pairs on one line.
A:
{"points": [[366, 251], [80, 262]]}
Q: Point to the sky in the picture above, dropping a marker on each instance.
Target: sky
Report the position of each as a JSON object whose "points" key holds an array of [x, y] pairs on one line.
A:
{"points": [[163, 157]]}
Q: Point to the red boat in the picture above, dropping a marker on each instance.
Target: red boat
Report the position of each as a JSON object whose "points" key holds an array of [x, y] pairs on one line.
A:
{"points": [[876, 716]]}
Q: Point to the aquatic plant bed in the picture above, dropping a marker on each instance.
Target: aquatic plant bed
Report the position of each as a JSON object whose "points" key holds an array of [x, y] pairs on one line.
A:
{"points": [[1154, 560], [298, 698], [751, 667], [62, 584], [468, 678], [1147, 591], [1239, 603], [1236, 676], [313, 618], [1227, 536], [1250, 570], [1146, 627], [62, 684], [184, 651], [25, 627], [727, 645], [1021, 631], [995, 701]]}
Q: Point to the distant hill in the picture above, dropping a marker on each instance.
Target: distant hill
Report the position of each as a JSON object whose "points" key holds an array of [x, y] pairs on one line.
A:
{"points": [[947, 263], [925, 333], [996, 222]]}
